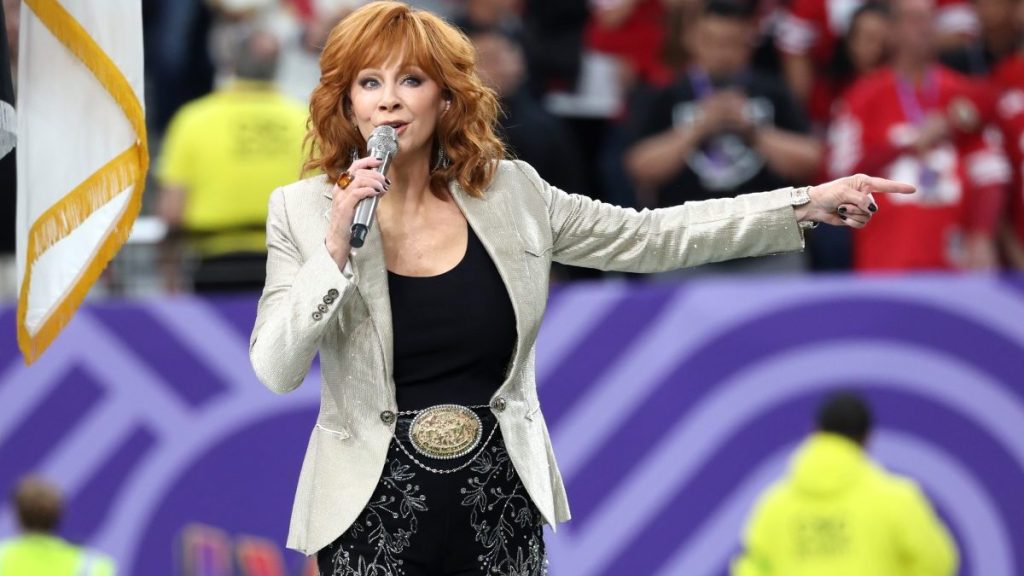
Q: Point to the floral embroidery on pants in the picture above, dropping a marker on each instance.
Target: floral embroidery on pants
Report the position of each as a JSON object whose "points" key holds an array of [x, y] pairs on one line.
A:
{"points": [[377, 525], [478, 520], [516, 515]]}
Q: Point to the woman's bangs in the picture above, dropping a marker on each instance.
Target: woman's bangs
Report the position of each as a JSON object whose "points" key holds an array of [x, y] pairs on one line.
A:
{"points": [[400, 41]]}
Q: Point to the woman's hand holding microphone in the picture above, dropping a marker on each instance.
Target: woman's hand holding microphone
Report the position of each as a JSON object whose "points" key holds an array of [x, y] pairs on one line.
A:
{"points": [[360, 181]]}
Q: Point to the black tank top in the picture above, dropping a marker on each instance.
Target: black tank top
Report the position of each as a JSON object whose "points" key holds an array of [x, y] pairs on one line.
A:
{"points": [[454, 333]]}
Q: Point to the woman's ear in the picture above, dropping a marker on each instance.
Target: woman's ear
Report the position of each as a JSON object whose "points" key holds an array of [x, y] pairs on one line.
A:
{"points": [[447, 95]]}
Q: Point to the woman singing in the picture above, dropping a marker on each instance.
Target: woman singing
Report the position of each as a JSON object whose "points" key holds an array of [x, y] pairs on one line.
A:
{"points": [[430, 454]]}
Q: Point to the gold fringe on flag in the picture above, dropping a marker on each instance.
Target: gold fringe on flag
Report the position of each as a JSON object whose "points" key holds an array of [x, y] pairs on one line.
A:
{"points": [[127, 169]]}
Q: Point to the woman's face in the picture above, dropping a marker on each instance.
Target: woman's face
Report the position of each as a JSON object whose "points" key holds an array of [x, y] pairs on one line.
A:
{"points": [[868, 42], [403, 96]]}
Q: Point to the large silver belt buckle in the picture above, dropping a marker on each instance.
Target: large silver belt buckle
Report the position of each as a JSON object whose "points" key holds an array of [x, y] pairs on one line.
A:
{"points": [[445, 431]]}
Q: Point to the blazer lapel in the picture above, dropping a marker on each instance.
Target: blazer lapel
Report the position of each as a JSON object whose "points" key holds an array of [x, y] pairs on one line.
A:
{"points": [[372, 283], [492, 222]]}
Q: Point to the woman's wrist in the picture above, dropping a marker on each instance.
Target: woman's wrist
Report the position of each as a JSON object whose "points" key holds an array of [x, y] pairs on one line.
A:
{"points": [[337, 252], [803, 206]]}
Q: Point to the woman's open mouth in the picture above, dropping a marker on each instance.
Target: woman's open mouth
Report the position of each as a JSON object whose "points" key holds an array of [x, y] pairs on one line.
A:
{"points": [[398, 126]]}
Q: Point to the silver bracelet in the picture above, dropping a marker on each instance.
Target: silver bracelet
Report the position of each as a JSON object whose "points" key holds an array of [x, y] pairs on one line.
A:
{"points": [[799, 197]]}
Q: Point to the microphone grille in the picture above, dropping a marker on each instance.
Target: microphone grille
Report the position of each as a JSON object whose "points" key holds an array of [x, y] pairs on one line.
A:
{"points": [[383, 138]]}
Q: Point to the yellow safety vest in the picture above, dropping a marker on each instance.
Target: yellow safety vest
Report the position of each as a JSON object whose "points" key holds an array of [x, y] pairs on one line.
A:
{"points": [[47, 555]]}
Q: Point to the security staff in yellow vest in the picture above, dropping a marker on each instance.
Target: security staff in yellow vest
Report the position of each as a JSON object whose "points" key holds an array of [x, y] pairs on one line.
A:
{"points": [[222, 156], [39, 551], [840, 514]]}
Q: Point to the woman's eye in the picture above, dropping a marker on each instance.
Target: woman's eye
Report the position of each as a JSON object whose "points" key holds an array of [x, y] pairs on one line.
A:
{"points": [[368, 83], [412, 81]]}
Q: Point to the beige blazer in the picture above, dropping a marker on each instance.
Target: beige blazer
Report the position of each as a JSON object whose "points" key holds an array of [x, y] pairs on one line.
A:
{"points": [[309, 305]]}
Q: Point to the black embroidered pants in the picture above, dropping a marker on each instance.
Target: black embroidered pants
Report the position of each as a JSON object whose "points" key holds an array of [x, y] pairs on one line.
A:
{"points": [[476, 521]]}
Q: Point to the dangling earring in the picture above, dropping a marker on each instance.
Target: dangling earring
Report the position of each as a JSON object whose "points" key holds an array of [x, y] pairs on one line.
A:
{"points": [[442, 159]]}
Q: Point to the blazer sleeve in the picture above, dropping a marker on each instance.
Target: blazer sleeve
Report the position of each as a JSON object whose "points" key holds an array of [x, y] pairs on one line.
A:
{"points": [[300, 299], [586, 232]]}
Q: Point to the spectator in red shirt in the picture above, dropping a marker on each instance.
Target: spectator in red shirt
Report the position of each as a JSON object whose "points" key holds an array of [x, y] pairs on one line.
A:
{"points": [[914, 122], [1009, 79], [808, 33], [865, 48]]}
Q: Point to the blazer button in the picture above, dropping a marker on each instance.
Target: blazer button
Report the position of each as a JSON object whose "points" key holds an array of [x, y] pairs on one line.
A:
{"points": [[317, 316], [387, 417], [332, 293], [328, 300], [498, 404], [322, 307]]}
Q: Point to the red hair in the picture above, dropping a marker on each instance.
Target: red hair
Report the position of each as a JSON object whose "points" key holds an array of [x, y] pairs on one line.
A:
{"points": [[370, 37]]}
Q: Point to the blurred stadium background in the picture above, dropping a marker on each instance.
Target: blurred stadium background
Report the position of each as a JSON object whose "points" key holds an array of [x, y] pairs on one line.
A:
{"points": [[673, 402]]}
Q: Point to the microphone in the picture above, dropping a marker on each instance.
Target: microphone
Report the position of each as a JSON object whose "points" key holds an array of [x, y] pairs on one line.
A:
{"points": [[382, 145]]}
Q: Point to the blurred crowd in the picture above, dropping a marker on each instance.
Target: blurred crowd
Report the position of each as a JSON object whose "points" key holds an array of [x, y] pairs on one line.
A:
{"points": [[641, 103]]}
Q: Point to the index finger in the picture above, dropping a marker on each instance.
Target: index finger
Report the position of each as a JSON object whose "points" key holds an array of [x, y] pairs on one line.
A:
{"points": [[876, 184], [366, 162]]}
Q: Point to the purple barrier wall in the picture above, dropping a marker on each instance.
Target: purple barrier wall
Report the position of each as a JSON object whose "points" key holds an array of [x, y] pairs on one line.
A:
{"points": [[670, 407]]}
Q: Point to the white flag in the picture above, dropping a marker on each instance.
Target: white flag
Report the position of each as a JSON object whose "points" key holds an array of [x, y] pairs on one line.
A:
{"points": [[82, 155]]}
